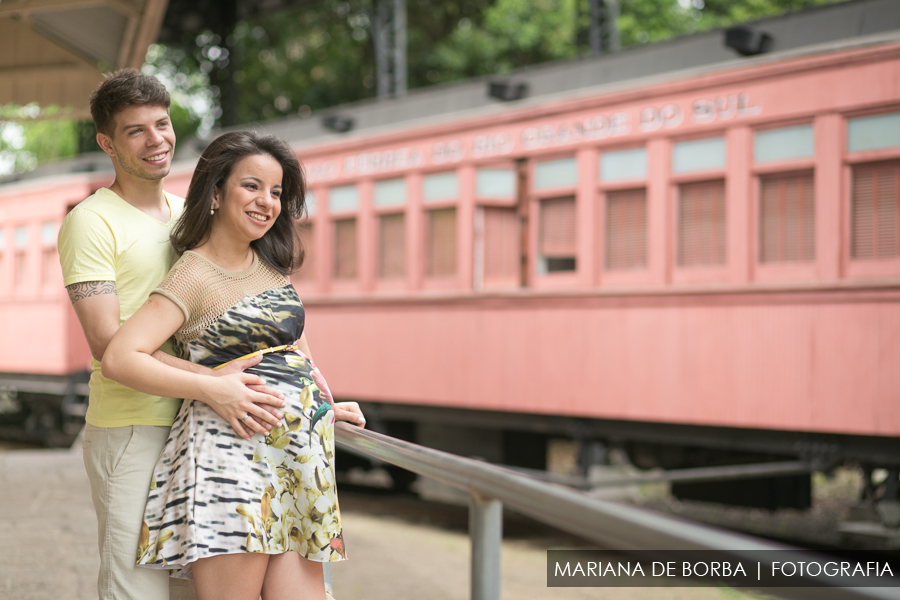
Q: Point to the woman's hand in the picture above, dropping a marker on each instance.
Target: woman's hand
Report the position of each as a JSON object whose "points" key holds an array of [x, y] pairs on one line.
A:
{"points": [[233, 396], [343, 411], [350, 412]]}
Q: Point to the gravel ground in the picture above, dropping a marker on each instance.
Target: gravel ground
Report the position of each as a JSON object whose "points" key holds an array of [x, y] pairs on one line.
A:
{"points": [[392, 559]]}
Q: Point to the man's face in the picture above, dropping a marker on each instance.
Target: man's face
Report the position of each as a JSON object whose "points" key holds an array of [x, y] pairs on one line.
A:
{"points": [[142, 143]]}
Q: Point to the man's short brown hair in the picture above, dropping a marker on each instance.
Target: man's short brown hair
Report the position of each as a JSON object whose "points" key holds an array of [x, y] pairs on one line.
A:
{"points": [[120, 90]]}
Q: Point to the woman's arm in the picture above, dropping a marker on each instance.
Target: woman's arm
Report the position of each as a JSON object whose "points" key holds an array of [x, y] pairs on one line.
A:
{"points": [[343, 411], [128, 360]]}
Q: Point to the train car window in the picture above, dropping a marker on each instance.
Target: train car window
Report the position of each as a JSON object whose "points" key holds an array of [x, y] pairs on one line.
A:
{"points": [[701, 224], [390, 192], [345, 249], [626, 229], [698, 155], [495, 183], [392, 245], [557, 239], [787, 230], [21, 256], [501, 244], [49, 263], [785, 143], [874, 132], [622, 165], [306, 231], [560, 173], [875, 211], [344, 198], [2, 256], [440, 186], [48, 235], [441, 243]]}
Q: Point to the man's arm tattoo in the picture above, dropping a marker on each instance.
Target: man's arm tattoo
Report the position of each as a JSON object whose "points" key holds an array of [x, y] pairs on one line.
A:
{"points": [[86, 289]]}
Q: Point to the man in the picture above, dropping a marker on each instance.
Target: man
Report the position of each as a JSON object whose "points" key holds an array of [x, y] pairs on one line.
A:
{"points": [[114, 249]]}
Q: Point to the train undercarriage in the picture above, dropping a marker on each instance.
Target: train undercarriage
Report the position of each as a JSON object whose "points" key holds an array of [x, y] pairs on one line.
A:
{"points": [[753, 468]]}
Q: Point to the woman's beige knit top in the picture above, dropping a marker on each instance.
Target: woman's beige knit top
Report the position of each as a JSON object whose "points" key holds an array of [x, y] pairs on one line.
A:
{"points": [[204, 291]]}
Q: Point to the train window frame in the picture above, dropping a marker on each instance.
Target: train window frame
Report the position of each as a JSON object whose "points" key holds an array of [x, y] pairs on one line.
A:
{"points": [[23, 274], [5, 240], [695, 274], [311, 281], [443, 280], [483, 204], [850, 118], [391, 281], [782, 271], [603, 275], [701, 173], [443, 200], [377, 211], [618, 181], [421, 278], [50, 279], [866, 267], [335, 283], [537, 276], [481, 200], [772, 128], [857, 268], [389, 204]]}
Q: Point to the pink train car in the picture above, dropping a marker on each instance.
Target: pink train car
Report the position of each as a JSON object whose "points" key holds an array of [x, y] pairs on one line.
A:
{"points": [[698, 267]]}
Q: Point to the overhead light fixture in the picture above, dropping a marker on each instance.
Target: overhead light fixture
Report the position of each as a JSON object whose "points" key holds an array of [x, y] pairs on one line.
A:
{"points": [[507, 91], [747, 41], [337, 123]]}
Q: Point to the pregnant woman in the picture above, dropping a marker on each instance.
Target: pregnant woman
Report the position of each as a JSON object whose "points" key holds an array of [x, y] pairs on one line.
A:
{"points": [[243, 513]]}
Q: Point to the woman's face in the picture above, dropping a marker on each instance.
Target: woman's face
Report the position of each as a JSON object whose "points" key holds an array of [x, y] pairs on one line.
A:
{"points": [[250, 200]]}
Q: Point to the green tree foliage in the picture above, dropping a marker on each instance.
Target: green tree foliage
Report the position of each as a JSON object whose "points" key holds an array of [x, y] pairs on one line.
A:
{"points": [[517, 33], [513, 34], [31, 136], [303, 60], [306, 59], [188, 87]]}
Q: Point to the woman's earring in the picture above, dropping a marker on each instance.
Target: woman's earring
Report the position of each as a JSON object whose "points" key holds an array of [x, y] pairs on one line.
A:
{"points": [[212, 211]]}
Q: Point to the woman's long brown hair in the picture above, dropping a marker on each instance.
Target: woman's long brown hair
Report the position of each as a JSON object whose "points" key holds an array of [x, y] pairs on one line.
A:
{"points": [[280, 247]]}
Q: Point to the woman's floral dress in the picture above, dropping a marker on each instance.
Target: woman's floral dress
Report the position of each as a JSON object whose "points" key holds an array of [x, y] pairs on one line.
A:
{"points": [[213, 492]]}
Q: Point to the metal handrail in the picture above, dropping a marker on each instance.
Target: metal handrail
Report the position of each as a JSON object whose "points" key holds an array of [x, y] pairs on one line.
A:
{"points": [[609, 524]]}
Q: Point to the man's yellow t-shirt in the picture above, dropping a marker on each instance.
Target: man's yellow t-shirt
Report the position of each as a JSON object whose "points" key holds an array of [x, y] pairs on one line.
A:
{"points": [[106, 239]]}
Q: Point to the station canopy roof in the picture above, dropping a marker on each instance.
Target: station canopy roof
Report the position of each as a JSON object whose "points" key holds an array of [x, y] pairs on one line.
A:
{"points": [[54, 52]]}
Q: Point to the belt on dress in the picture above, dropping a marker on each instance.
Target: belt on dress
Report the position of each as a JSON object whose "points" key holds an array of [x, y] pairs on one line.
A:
{"points": [[285, 348]]}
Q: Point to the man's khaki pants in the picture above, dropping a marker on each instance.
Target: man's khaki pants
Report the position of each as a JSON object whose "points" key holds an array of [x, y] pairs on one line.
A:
{"points": [[119, 463]]}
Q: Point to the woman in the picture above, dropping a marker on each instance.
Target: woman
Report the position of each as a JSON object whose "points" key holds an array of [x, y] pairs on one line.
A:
{"points": [[243, 514]]}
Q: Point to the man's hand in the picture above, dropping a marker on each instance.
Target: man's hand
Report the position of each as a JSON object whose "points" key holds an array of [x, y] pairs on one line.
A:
{"points": [[350, 412]]}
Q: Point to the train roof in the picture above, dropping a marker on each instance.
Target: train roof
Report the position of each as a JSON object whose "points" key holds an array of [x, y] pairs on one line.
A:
{"points": [[813, 30]]}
